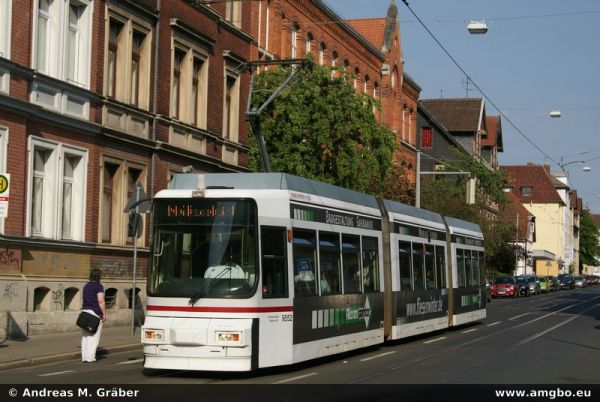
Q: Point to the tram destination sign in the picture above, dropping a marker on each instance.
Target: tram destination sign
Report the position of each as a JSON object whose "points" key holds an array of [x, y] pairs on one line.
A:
{"points": [[409, 230], [331, 217]]}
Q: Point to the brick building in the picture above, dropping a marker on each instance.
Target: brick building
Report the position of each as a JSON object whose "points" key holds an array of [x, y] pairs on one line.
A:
{"points": [[368, 49], [96, 99]]}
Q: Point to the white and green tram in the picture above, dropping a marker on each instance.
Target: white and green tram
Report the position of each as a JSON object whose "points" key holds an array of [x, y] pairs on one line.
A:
{"points": [[258, 270]]}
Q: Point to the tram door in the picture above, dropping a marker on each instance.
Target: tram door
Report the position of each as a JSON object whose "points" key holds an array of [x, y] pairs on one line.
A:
{"points": [[276, 325]]}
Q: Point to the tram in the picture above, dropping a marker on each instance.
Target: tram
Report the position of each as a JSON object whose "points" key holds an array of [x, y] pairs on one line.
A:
{"points": [[255, 270]]}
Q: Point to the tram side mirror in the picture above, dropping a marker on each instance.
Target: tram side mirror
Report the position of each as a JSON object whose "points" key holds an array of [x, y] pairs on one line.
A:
{"points": [[133, 226]]}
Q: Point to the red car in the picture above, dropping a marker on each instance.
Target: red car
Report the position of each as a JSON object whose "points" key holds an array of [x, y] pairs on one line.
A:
{"points": [[505, 286]]}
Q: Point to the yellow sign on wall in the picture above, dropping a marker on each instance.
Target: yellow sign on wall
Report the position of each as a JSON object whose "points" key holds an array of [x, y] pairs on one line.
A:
{"points": [[4, 192]]}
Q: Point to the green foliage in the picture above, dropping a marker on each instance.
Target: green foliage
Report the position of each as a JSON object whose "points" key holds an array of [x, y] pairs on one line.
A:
{"points": [[320, 128], [589, 246]]}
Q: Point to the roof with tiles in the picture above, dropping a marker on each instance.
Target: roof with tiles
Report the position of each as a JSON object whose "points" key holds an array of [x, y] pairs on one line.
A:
{"points": [[372, 29], [457, 114], [535, 177], [509, 212], [494, 133]]}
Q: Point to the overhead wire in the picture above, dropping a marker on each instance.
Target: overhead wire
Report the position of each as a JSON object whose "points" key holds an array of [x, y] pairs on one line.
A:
{"points": [[481, 91]]}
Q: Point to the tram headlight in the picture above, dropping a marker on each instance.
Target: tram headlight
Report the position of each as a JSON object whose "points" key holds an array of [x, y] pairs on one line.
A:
{"points": [[154, 335], [230, 338]]}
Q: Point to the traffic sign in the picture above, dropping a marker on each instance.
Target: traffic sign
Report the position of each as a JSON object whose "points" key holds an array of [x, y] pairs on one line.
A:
{"points": [[4, 194]]}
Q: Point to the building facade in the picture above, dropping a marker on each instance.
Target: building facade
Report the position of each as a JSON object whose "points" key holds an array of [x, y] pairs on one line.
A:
{"points": [[98, 99]]}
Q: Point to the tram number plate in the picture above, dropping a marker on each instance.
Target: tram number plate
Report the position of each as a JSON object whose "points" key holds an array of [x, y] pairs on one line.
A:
{"points": [[287, 318]]}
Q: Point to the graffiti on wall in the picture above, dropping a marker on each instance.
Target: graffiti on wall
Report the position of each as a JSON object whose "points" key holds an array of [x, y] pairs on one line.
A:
{"points": [[58, 297], [7, 256], [113, 268], [11, 290]]}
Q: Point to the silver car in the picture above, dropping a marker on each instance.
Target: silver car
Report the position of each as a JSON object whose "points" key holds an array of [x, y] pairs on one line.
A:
{"points": [[533, 282], [580, 281]]}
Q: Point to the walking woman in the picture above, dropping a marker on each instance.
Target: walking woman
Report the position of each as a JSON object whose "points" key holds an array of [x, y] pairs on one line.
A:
{"points": [[93, 303]]}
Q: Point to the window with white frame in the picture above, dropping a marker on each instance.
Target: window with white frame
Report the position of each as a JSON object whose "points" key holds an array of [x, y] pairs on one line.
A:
{"points": [[322, 49], [128, 59], [233, 12], [57, 187], [5, 18], [189, 83], [3, 144], [62, 42], [119, 181], [309, 40], [295, 29], [231, 104], [5, 30]]}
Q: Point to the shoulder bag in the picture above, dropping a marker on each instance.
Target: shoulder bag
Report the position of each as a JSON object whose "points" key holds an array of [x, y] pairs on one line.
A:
{"points": [[88, 321]]}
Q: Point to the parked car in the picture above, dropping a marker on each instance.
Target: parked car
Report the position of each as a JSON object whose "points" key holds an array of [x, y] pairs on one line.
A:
{"points": [[544, 284], [523, 286], [534, 285], [505, 286], [592, 280], [566, 281], [554, 283], [580, 281]]}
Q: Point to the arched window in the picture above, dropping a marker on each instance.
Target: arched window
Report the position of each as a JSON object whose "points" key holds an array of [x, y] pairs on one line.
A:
{"points": [[72, 302], [41, 299], [295, 29], [110, 298], [309, 40], [322, 49], [366, 85], [356, 75]]}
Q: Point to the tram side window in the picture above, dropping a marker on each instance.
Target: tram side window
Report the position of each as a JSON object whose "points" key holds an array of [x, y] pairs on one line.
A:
{"points": [[474, 268], [429, 267], [417, 259], [370, 264], [274, 262], [460, 267], [351, 263], [329, 263], [405, 265], [482, 273], [304, 263], [440, 263]]}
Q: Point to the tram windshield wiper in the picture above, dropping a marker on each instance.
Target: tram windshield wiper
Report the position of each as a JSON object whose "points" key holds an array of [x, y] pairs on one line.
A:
{"points": [[209, 285]]}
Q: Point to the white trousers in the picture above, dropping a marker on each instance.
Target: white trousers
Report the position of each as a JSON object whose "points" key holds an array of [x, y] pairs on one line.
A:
{"points": [[89, 342]]}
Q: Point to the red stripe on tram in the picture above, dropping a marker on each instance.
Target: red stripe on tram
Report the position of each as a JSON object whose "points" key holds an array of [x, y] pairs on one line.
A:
{"points": [[191, 309]]}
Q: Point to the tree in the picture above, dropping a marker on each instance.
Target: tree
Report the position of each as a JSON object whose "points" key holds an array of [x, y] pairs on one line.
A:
{"points": [[321, 128], [589, 237]]}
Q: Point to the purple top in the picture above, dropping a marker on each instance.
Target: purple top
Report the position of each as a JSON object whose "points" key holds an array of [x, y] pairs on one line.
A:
{"points": [[90, 297]]}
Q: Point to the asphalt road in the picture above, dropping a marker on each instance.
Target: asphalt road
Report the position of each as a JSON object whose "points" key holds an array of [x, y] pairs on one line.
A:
{"points": [[547, 339]]}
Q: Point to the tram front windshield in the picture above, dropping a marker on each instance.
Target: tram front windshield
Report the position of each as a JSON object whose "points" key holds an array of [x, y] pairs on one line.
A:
{"points": [[203, 248]]}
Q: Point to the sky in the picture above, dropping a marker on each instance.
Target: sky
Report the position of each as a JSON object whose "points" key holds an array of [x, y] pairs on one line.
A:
{"points": [[537, 56]]}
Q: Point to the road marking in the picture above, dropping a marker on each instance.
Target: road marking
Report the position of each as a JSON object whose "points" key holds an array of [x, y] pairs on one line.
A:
{"points": [[296, 378], [518, 316], [469, 330], [535, 336], [494, 323], [132, 361], [56, 373], [366, 359], [435, 340]]}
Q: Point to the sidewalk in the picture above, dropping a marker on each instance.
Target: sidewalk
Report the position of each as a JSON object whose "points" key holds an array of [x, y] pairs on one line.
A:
{"points": [[41, 349]]}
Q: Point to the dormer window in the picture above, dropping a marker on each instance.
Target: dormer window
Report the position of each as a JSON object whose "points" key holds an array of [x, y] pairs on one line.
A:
{"points": [[527, 191]]}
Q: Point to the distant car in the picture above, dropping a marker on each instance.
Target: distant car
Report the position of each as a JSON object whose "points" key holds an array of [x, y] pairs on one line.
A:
{"points": [[505, 286], [580, 281], [566, 281], [545, 284], [534, 285], [592, 280], [524, 289]]}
